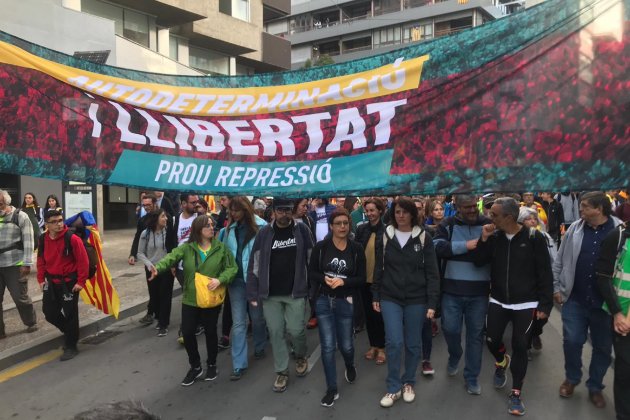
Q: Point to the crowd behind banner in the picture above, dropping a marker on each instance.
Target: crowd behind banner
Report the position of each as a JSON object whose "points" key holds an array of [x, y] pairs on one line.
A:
{"points": [[392, 266]]}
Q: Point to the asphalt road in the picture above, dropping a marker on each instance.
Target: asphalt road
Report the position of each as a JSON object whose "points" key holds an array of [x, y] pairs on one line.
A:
{"points": [[135, 364]]}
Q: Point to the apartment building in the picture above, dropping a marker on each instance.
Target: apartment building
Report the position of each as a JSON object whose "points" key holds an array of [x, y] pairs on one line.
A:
{"points": [[182, 37], [351, 29]]}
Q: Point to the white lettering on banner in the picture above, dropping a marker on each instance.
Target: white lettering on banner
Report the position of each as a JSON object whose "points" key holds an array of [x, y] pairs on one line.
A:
{"points": [[186, 174], [257, 137]]}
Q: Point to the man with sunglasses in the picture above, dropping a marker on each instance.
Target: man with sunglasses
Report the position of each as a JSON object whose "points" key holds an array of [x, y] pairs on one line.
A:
{"points": [[62, 272], [277, 275]]}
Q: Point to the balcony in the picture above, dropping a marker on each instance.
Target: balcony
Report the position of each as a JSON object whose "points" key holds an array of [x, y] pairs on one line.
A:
{"points": [[276, 51], [273, 9], [168, 13]]}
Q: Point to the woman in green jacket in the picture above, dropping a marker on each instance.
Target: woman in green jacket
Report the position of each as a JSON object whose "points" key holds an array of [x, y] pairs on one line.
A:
{"points": [[205, 254]]}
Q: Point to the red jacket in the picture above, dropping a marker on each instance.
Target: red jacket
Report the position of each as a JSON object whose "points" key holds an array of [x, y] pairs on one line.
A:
{"points": [[55, 264]]}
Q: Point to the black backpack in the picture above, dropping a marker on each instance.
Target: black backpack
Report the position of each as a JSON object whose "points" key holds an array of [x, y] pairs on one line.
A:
{"points": [[91, 252]]}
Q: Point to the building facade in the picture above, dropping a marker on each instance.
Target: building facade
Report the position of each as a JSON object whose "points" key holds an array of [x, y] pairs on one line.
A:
{"points": [[182, 37], [350, 29]]}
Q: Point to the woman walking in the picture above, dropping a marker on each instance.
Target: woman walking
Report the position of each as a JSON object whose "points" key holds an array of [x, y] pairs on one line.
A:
{"points": [[336, 273], [30, 206], [406, 290], [155, 242], [370, 236], [206, 255]]}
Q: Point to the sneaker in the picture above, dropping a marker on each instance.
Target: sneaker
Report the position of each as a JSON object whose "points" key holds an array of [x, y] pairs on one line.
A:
{"points": [[192, 374], [200, 330], [68, 353], [259, 354], [473, 388], [301, 366], [515, 405], [157, 327], [162, 332], [237, 374], [31, 328], [427, 369], [408, 393], [146, 320], [389, 399], [224, 343], [330, 398], [211, 373], [312, 323], [280, 384], [537, 343], [180, 340], [452, 370], [500, 378], [351, 374]]}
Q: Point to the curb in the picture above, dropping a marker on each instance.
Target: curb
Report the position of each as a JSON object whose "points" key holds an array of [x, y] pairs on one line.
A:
{"points": [[53, 340]]}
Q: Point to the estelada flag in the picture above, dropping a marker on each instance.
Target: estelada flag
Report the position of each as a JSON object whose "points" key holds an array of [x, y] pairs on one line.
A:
{"points": [[99, 290]]}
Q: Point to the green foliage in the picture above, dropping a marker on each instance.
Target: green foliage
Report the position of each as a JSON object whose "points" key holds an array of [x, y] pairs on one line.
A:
{"points": [[322, 60]]}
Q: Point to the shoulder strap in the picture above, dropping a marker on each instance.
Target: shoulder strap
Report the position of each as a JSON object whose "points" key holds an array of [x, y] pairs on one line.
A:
{"points": [[15, 218], [68, 241], [146, 243]]}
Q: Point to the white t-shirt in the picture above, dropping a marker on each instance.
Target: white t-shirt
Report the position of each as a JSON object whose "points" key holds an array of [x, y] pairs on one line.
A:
{"points": [[321, 227], [402, 237], [183, 231]]}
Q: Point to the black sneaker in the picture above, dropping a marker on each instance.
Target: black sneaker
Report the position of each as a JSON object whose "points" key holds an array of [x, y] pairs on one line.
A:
{"points": [[69, 353], [162, 332], [351, 374], [146, 320], [237, 374], [537, 343], [200, 330], [224, 343], [211, 373], [329, 398], [192, 374]]}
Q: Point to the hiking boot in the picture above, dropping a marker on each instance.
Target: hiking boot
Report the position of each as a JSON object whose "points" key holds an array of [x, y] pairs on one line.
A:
{"points": [[146, 320], [301, 366], [500, 377], [237, 374], [351, 374], [69, 353], [515, 405], [162, 332], [192, 375], [211, 373], [389, 399], [224, 343], [330, 398], [597, 398], [427, 369], [566, 389], [280, 384], [408, 394]]}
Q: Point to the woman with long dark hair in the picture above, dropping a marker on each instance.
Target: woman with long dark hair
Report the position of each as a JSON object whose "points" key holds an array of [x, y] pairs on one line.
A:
{"points": [[370, 236], [239, 236], [206, 255], [406, 289], [52, 203], [155, 242], [336, 272], [30, 206]]}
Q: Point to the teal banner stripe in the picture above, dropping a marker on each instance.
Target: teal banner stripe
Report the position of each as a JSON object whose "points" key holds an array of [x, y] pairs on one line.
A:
{"points": [[164, 172], [450, 55]]}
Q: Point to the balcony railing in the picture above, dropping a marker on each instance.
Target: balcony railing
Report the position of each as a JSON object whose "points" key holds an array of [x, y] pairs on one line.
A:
{"points": [[450, 31]]}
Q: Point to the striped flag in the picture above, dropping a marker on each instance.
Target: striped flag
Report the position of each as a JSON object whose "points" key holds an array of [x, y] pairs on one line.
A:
{"points": [[99, 291]]}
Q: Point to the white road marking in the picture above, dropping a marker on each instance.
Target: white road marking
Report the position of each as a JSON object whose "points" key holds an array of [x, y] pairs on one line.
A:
{"points": [[314, 358]]}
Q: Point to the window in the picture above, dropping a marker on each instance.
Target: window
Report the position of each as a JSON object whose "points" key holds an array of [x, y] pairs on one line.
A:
{"points": [[387, 36], [238, 9], [136, 27], [209, 61], [417, 32], [129, 24], [173, 48]]}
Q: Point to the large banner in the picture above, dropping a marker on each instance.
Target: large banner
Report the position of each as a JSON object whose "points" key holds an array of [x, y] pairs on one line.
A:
{"points": [[535, 101]]}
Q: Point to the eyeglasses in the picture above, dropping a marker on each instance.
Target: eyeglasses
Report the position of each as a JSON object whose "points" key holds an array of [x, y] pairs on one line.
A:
{"points": [[55, 222], [341, 223], [283, 210]]}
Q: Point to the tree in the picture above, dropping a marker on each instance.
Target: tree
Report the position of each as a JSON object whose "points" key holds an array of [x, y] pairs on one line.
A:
{"points": [[322, 60]]}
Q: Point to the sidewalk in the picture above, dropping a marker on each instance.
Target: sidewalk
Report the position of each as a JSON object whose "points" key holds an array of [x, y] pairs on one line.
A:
{"points": [[129, 282]]}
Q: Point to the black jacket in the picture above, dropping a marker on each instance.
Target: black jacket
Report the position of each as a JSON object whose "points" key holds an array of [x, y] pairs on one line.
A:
{"points": [[605, 267], [407, 275], [363, 234], [555, 218], [520, 268], [316, 268]]}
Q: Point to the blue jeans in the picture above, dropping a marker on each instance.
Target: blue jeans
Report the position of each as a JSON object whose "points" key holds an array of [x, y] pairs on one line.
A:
{"points": [[403, 329], [239, 324], [577, 320], [455, 311], [334, 321]]}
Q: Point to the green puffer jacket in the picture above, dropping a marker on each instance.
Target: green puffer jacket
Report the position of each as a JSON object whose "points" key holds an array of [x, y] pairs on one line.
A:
{"points": [[219, 264]]}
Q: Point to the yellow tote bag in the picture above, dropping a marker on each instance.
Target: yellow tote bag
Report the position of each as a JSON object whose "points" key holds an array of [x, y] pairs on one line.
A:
{"points": [[208, 298]]}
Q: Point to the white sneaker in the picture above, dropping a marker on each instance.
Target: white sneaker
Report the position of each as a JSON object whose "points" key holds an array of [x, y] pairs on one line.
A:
{"points": [[389, 399], [408, 393]]}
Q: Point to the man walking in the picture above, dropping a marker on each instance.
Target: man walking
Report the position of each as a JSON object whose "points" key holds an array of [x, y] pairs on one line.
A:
{"points": [[16, 258], [465, 288], [575, 288], [277, 275], [62, 270], [521, 288]]}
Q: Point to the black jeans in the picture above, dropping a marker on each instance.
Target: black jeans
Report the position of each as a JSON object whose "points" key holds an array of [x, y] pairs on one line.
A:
{"points": [[207, 317], [160, 296], [496, 322], [63, 314], [373, 320], [622, 376]]}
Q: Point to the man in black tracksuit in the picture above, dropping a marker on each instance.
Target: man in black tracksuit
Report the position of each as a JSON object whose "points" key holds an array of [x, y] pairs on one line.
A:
{"points": [[521, 283]]}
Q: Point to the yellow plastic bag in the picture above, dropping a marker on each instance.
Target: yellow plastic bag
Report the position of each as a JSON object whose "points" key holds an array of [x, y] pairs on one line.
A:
{"points": [[208, 298]]}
